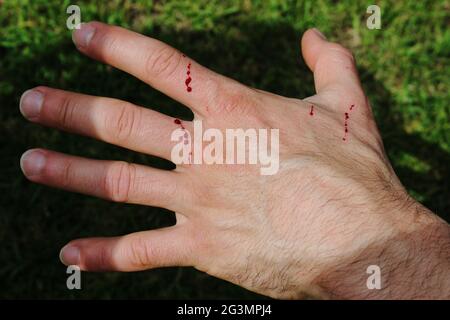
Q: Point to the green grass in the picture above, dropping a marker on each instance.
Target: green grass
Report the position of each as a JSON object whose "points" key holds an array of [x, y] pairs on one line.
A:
{"points": [[404, 68]]}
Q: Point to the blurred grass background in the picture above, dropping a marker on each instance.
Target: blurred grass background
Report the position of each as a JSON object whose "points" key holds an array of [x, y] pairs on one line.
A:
{"points": [[404, 68]]}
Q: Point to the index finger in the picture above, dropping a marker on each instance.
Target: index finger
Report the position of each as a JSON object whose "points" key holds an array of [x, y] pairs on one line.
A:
{"points": [[152, 61]]}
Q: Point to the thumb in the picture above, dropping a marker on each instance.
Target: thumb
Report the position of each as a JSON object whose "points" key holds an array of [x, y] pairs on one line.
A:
{"points": [[333, 65]]}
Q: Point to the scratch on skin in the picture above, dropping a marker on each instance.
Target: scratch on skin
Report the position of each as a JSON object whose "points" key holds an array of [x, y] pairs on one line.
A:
{"points": [[346, 119]]}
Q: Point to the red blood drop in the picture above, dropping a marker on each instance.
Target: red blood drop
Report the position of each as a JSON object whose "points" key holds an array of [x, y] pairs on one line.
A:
{"points": [[177, 121], [188, 79]]}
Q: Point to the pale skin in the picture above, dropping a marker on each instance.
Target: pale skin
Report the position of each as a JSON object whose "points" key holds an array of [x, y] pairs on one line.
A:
{"points": [[334, 208]]}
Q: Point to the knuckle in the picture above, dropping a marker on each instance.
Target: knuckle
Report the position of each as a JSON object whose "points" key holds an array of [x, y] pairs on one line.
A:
{"points": [[66, 112], [163, 62], [107, 43], [66, 176], [119, 181], [122, 123], [228, 98], [98, 258], [102, 259], [139, 252]]}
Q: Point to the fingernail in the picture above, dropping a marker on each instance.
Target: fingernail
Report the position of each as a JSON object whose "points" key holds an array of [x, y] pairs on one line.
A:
{"points": [[320, 34], [32, 162], [83, 36], [70, 255], [30, 104]]}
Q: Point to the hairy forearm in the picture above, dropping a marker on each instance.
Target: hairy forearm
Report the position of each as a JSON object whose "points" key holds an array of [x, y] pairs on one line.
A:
{"points": [[414, 263]]}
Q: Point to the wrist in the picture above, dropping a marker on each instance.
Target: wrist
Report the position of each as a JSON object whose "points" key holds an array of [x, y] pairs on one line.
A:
{"points": [[411, 252]]}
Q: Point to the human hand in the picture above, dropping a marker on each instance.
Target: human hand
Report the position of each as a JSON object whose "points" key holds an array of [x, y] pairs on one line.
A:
{"points": [[334, 207]]}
